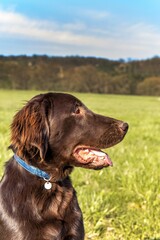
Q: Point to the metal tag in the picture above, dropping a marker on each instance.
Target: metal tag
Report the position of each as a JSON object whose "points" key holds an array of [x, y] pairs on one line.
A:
{"points": [[48, 185]]}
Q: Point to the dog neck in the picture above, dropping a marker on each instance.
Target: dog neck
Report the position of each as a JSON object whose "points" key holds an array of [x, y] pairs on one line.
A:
{"points": [[48, 178], [35, 171]]}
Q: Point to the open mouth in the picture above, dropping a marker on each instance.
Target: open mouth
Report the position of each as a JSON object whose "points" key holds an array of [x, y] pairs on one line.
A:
{"points": [[92, 157]]}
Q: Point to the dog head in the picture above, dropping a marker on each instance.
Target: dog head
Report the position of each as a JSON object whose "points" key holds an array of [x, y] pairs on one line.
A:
{"points": [[56, 131]]}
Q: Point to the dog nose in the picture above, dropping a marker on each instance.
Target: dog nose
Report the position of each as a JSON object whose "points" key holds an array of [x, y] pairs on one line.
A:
{"points": [[124, 126]]}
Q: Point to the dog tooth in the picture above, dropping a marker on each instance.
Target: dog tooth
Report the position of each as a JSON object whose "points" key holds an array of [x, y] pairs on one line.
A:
{"points": [[98, 153], [86, 150]]}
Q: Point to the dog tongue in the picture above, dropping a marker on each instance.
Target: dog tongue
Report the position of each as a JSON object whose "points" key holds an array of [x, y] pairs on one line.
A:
{"points": [[102, 155]]}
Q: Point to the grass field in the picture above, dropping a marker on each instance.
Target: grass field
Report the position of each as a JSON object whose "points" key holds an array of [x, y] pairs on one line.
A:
{"points": [[119, 203]]}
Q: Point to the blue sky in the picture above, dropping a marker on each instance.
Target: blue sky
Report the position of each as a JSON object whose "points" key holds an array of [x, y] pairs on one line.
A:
{"points": [[101, 28]]}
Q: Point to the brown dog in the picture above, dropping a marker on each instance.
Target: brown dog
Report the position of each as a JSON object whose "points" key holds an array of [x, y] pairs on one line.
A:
{"points": [[49, 136]]}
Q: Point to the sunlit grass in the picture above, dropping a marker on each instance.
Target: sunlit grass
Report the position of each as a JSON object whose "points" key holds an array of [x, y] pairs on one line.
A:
{"points": [[119, 203]]}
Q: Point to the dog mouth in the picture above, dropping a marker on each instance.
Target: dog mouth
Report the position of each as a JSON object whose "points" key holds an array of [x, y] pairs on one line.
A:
{"points": [[92, 157]]}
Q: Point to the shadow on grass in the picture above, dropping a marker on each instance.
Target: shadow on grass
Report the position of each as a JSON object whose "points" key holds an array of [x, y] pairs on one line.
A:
{"points": [[151, 238]]}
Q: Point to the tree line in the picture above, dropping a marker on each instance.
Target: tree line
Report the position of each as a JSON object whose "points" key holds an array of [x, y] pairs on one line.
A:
{"points": [[80, 74]]}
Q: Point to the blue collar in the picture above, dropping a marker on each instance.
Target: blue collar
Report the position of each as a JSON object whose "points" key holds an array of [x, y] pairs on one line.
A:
{"points": [[32, 169]]}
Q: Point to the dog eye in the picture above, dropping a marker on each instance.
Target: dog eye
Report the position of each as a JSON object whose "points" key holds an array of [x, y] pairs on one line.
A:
{"points": [[76, 109]]}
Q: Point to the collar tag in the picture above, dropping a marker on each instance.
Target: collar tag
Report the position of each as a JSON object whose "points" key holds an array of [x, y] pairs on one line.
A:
{"points": [[48, 185]]}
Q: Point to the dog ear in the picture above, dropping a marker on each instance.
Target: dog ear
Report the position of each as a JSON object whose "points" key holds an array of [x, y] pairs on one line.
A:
{"points": [[30, 129]]}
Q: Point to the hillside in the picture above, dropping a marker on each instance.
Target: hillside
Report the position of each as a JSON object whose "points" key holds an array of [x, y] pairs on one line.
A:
{"points": [[80, 74]]}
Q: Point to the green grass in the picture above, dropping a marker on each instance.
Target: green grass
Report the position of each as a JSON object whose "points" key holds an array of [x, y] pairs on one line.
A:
{"points": [[119, 203]]}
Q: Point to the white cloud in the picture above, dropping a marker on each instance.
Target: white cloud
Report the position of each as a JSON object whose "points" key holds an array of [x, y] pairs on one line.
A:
{"points": [[15, 24], [138, 40]]}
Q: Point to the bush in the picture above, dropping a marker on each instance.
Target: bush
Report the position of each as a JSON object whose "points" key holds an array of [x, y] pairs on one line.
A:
{"points": [[150, 86]]}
